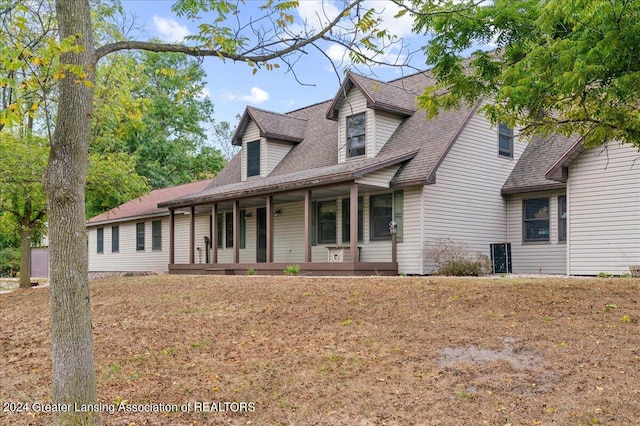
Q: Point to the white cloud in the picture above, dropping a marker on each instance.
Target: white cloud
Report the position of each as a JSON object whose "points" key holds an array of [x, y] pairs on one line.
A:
{"points": [[386, 10], [317, 14], [256, 96], [170, 30], [336, 52]]}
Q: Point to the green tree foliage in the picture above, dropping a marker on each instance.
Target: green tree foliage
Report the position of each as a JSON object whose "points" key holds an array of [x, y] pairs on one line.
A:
{"points": [[225, 34], [222, 135], [9, 261], [558, 67], [21, 195], [160, 117], [9, 233], [111, 181]]}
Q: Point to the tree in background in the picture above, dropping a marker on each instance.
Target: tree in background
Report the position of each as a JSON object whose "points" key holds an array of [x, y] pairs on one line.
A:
{"points": [[224, 35], [21, 196], [160, 117], [28, 73], [111, 181], [568, 67], [222, 135]]}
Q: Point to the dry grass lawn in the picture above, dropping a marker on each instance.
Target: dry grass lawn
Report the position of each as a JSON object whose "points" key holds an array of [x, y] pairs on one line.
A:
{"points": [[343, 351]]}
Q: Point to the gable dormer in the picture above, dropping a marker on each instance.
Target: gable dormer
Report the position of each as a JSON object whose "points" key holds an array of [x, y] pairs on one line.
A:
{"points": [[368, 112], [266, 138]]}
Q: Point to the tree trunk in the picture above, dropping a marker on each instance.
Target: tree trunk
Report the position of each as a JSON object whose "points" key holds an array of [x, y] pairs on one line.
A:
{"points": [[64, 180], [25, 257]]}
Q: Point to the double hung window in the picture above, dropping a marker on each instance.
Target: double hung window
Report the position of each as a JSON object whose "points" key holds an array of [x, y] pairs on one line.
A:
{"points": [[356, 138]]}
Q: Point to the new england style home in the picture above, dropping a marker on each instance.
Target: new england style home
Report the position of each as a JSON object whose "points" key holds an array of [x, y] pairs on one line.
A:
{"points": [[364, 183]]}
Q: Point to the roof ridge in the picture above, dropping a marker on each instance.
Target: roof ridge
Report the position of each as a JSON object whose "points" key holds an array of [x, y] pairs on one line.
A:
{"points": [[308, 106], [276, 113], [425, 71]]}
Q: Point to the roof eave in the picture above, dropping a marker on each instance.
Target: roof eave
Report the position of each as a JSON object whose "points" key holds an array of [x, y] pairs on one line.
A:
{"points": [[236, 139], [558, 171], [333, 110], [396, 160], [431, 177], [394, 109], [534, 188], [263, 190], [286, 138], [127, 218], [407, 183], [288, 186]]}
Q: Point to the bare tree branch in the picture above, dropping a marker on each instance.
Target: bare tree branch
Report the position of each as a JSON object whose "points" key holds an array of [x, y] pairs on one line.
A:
{"points": [[248, 55]]}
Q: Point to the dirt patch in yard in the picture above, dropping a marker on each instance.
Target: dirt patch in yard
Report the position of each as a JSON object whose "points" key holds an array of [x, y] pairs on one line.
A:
{"points": [[349, 351]]}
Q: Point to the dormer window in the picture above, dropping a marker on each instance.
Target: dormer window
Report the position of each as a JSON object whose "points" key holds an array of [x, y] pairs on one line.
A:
{"points": [[356, 125], [505, 140], [253, 158]]}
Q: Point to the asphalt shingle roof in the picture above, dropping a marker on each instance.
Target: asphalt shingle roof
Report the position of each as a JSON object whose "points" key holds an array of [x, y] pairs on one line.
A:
{"points": [[272, 125], [147, 205], [418, 144], [379, 95], [538, 157]]}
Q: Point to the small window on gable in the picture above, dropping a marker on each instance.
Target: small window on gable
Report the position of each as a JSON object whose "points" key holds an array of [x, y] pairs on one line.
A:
{"points": [[356, 129], [505, 140], [253, 158]]}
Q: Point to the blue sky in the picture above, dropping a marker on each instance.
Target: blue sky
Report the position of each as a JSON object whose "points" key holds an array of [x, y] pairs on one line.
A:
{"points": [[233, 86]]}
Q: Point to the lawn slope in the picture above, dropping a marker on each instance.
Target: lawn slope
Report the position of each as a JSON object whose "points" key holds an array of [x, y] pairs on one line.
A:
{"points": [[349, 351]]}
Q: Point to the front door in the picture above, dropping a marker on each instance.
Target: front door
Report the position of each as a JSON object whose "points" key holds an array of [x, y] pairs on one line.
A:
{"points": [[261, 237]]}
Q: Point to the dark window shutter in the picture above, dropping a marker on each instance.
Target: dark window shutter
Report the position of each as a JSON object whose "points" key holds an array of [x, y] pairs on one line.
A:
{"points": [[243, 241], [398, 213], [314, 222]]}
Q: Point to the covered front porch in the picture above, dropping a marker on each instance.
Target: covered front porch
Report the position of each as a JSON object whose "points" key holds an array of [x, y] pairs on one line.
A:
{"points": [[276, 268], [267, 233]]}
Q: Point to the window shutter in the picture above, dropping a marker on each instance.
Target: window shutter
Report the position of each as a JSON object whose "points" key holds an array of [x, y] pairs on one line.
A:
{"points": [[242, 229], [346, 228], [398, 212], [314, 222], [220, 237]]}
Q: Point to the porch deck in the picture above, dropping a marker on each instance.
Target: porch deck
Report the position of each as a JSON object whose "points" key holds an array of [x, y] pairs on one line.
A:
{"points": [[307, 268]]}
